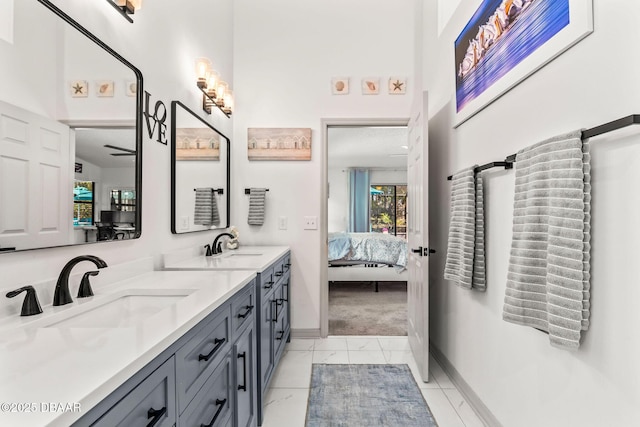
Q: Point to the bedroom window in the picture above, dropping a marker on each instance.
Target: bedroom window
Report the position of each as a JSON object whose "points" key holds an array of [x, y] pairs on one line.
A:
{"points": [[388, 212]]}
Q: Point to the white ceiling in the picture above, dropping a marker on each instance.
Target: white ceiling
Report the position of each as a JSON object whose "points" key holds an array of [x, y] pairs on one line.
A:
{"points": [[90, 146], [370, 147]]}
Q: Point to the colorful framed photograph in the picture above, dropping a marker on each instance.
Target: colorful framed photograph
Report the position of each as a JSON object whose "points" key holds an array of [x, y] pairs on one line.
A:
{"points": [[104, 88], [279, 143], [131, 87], [79, 89], [397, 85], [506, 42], [371, 86], [340, 85]]}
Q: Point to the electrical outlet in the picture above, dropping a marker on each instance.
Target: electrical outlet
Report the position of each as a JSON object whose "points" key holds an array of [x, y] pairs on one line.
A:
{"points": [[184, 222], [310, 222], [282, 223]]}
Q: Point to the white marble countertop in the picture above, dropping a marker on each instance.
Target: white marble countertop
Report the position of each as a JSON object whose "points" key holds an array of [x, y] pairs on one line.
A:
{"points": [[79, 367], [255, 258]]}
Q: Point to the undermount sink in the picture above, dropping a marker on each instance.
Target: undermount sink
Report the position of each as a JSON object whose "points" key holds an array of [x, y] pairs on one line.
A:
{"points": [[122, 311]]}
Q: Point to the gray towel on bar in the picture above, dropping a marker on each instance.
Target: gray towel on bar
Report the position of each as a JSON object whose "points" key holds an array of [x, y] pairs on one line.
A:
{"points": [[206, 208], [256, 206], [465, 263], [548, 280]]}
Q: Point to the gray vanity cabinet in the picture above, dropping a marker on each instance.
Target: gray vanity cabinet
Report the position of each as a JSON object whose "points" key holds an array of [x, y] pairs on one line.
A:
{"points": [[151, 401], [274, 321], [207, 377]]}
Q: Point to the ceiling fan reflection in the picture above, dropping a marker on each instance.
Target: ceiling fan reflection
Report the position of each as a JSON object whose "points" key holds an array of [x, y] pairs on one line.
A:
{"points": [[127, 151]]}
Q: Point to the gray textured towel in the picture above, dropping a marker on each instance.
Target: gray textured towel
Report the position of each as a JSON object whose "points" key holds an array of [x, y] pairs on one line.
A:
{"points": [[465, 263], [256, 206], [548, 278], [206, 208]]}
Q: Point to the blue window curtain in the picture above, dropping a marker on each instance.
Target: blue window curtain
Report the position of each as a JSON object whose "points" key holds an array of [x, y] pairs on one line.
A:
{"points": [[359, 200]]}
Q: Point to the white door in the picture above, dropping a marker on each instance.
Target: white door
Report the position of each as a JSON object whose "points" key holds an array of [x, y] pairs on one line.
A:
{"points": [[418, 235], [36, 180]]}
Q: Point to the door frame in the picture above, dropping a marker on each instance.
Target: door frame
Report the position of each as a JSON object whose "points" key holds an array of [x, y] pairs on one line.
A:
{"points": [[324, 187]]}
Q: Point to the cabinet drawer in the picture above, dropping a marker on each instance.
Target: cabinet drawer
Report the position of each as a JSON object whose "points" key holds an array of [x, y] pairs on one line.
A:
{"points": [[267, 282], [213, 402], [199, 356], [243, 307], [151, 400], [278, 270]]}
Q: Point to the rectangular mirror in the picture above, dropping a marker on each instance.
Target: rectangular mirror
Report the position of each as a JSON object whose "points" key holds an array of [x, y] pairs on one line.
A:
{"points": [[200, 173], [70, 134]]}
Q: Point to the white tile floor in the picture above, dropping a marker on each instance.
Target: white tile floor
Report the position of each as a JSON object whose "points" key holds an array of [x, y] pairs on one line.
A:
{"points": [[286, 400]]}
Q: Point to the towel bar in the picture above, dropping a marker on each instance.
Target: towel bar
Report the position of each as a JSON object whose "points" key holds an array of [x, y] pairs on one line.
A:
{"points": [[633, 119], [248, 190], [215, 190]]}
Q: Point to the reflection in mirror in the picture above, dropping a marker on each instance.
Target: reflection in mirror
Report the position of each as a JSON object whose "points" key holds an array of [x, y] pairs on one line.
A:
{"points": [[200, 173], [70, 135]]}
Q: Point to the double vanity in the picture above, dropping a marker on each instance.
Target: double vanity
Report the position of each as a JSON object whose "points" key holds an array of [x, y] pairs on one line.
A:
{"points": [[194, 344]]}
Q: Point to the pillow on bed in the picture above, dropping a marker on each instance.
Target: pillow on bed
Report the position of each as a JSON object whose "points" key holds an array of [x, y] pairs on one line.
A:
{"points": [[339, 245]]}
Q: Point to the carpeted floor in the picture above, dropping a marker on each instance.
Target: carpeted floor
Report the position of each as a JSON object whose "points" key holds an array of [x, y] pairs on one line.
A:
{"points": [[366, 396], [355, 309]]}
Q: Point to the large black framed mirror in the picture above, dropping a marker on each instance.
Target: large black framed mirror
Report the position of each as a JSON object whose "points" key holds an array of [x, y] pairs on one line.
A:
{"points": [[200, 173], [70, 134]]}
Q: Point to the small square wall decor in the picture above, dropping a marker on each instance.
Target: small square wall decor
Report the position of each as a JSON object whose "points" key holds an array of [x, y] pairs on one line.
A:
{"points": [[371, 86], [104, 88], [79, 89], [397, 85], [131, 87], [340, 85]]}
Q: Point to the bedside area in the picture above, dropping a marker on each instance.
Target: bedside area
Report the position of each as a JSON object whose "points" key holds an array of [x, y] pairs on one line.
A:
{"points": [[272, 265], [158, 348]]}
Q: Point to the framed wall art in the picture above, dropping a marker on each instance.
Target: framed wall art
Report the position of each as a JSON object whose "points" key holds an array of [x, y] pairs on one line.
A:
{"points": [[506, 41], [340, 85], [279, 143]]}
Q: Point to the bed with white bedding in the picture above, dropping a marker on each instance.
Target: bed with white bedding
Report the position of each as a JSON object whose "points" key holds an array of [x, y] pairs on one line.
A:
{"points": [[367, 257]]}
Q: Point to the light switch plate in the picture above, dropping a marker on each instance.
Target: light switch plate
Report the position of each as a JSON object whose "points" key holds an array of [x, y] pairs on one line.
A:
{"points": [[184, 222], [282, 223], [310, 222]]}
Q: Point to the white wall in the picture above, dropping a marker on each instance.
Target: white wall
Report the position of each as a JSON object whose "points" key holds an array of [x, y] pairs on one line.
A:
{"points": [[286, 53], [163, 43], [513, 369], [388, 177]]}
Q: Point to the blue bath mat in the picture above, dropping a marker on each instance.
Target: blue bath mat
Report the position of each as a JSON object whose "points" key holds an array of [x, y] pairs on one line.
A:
{"points": [[366, 396]]}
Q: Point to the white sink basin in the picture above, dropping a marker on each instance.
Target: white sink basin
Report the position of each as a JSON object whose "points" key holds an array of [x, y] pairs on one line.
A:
{"points": [[121, 311]]}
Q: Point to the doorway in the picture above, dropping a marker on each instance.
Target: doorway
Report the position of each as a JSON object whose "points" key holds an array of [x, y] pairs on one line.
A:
{"points": [[363, 298]]}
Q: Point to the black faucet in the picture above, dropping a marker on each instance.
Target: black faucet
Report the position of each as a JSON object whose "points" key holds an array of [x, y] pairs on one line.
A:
{"points": [[30, 305], [216, 247], [62, 295]]}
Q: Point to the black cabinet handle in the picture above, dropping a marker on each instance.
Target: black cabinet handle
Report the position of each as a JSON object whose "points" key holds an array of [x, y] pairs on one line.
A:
{"points": [[270, 285], [218, 343], [156, 414], [275, 303], [417, 251], [279, 273], [280, 301], [246, 313], [243, 356], [220, 404], [281, 335]]}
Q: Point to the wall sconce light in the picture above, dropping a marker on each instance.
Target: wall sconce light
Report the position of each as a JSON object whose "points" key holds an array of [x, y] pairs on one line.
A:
{"points": [[126, 7], [214, 90]]}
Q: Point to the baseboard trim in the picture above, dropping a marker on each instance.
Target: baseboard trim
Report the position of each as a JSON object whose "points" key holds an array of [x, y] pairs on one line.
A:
{"points": [[471, 397], [305, 333]]}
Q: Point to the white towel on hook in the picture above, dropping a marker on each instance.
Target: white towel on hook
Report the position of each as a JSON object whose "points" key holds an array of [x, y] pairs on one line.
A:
{"points": [[256, 206], [206, 208]]}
